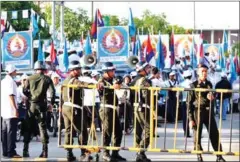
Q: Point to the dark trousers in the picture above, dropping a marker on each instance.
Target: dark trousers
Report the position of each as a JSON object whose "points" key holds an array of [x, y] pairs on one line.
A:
{"points": [[9, 132], [79, 124], [214, 134], [106, 115], [171, 109], [184, 118], [36, 113], [143, 127]]}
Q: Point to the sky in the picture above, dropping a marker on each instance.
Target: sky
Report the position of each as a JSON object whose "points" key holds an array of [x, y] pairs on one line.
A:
{"points": [[208, 15]]}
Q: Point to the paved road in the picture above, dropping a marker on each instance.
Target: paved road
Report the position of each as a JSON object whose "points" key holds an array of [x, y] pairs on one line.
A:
{"points": [[59, 154]]}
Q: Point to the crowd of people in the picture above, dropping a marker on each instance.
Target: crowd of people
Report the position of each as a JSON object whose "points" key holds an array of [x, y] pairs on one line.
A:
{"points": [[36, 94]]}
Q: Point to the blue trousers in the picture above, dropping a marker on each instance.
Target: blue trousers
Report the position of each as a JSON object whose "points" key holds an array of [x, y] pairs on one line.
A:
{"points": [[9, 132]]}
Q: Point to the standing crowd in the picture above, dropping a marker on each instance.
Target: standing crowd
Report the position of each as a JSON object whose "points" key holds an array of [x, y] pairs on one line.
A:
{"points": [[38, 93]]}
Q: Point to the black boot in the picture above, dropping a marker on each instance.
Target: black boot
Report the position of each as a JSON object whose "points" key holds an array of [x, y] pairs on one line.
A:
{"points": [[44, 153], [141, 157], [117, 157], [70, 156], [199, 158], [25, 150], [220, 158]]}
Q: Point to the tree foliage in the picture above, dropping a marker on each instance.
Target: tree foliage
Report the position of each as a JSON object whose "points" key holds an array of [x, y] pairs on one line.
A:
{"points": [[74, 22]]}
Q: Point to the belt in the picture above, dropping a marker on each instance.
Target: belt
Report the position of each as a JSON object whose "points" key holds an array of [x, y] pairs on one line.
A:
{"points": [[71, 105], [108, 106]]}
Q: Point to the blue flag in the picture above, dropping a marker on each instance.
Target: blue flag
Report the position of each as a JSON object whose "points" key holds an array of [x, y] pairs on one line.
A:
{"points": [[225, 42], [40, 52], [160, 64], [193, 54], [221, 60], [35, 28], [131, 25], [232, 70], [88, 48], [65, 56]]}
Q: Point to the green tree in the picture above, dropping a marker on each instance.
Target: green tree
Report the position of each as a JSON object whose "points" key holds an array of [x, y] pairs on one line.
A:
{"points": [[113, 20], [236, 49], [21, 24], [74, 22]]}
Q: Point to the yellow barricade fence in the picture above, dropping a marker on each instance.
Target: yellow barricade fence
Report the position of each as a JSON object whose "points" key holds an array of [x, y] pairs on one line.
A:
{"points": [[95, 140]]}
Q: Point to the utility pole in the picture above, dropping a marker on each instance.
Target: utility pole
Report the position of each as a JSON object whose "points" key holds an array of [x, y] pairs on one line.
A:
{"points": [[62, 21], [53, 18], [92, 12]]}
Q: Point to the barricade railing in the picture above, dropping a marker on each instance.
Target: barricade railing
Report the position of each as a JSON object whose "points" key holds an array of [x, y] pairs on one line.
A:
{"points": [[152, 94]]}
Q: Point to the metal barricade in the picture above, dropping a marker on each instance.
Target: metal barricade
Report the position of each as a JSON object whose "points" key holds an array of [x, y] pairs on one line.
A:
{"points": [[95, 141]]}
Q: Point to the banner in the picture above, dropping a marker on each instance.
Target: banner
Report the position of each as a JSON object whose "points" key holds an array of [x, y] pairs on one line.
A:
{"points": [[17, 49], [212, 49], [113, 44], [154, 41]]}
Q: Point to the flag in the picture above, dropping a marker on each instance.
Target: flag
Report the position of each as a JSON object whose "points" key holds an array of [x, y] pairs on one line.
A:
{"points": [[160, 64], [88, 48], [138, 49], [80, 51], [172, 56], [53, 54], [14, 14], [65, 56], [201, 50], [193, 54], [24, 14], [40, 52], [233, 73], [221, 60], [131, 25], [98, 22], [3, 27], [35, 28], [225, 43], [149, 53]]}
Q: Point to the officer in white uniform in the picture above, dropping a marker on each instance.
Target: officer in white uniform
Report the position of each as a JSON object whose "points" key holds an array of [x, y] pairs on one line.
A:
{"points": [[185, 84]]}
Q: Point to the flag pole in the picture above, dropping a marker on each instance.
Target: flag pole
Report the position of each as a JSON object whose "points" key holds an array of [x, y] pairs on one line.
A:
{"points": [[142, 30], [138, 31]]}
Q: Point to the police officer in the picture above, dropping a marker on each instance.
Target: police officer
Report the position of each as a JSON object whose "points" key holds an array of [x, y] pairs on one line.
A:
{"points": [[106, 112], [36, 90], [72, 110], [202, 82], [143, 109]]}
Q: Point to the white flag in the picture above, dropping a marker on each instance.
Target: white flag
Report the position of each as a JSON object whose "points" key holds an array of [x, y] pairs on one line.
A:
{"points": [[42, 22], [24, 14], [14, 14], [4, 15]]}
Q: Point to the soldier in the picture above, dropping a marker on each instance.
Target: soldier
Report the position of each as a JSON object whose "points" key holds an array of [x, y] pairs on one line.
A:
{"points": [[202, 82], [106, 112], [72, 110], [143, 109], [36, 90]]}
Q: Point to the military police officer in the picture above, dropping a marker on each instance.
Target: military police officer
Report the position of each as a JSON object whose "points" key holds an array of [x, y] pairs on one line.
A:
{"points": [[143, 109], [72, 110], [204, 108], [36, 89], [106, 112]]}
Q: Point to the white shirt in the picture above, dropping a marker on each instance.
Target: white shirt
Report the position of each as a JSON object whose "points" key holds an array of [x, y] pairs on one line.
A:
{"points": [[20, 95], [173, 83], [185, 84], [121, 92], [157, 82], [9, 87], [89, 93], [235, 86]]}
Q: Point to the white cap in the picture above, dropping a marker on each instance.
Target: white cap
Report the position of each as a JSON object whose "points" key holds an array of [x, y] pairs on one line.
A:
{"points": [[172, 73], [133, 74], [95, 73], [48, 58], [10, 68], [187, 73], [24, 76], [223, 75], [55, 75], [187, 54], [174, 67]]}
